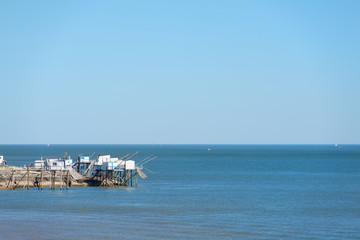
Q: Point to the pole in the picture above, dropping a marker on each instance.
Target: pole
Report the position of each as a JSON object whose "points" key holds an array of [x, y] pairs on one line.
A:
{"points": [[54, 180], [67, 180], [61, 179], [131, 177]]}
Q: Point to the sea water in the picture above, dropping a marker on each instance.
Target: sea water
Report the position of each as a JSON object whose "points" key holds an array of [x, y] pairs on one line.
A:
{"points": [[196, 192]]}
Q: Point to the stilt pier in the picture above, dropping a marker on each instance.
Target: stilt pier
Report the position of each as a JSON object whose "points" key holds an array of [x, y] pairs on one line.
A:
{"points": [[62, 173]]}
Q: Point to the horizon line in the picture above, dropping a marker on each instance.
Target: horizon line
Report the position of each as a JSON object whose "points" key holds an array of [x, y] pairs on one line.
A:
{"points": [[179, 143]]}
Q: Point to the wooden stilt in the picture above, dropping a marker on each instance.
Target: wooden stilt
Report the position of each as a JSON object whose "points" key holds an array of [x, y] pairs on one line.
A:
{"points": [[131, 177], [120, 178], [54, 180], [68, 180], [61, 179], [50, 180]]}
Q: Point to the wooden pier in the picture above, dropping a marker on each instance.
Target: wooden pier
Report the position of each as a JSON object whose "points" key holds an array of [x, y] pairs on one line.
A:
{"points": [[36, 178], [62, 173], [20, 177]]}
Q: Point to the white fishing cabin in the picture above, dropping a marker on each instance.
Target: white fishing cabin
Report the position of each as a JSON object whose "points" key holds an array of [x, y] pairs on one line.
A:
{"points": [[68, 162], [129, 165], [54, 164], [58, 163], [84, 159], [109, 165], [38, 164], [2, 160], [102, 159]]}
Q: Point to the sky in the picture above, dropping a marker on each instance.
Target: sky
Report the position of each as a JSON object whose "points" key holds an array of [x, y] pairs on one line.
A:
{"points": [[180, 72]]}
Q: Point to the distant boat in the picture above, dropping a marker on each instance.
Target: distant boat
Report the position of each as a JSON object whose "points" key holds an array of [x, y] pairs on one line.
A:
{"points": [[335, 145], [48, 145], [209, 149]]}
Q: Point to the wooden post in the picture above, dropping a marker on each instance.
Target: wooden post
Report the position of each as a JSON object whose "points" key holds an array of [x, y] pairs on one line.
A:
{"points": [[28, 177], [61, 179], [50, 180], [131, 177], [54, 180], [68, 180], [120, 177], [127, 177], [136, 176], [78, 164]]}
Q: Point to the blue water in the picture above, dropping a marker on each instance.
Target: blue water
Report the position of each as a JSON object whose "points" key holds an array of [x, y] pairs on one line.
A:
{"points": [[230, 192]]}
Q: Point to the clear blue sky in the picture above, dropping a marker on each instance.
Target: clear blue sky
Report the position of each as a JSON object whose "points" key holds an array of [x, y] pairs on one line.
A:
{"points": [[242, 72]]}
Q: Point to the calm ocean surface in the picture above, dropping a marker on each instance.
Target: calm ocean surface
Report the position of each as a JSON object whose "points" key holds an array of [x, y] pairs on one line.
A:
{"points": [[230, 192]]}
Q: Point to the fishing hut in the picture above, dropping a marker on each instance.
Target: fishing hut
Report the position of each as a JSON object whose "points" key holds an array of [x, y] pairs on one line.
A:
{"points": [[115, 172], [59, 168], [2, 160], [38, 164]]}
